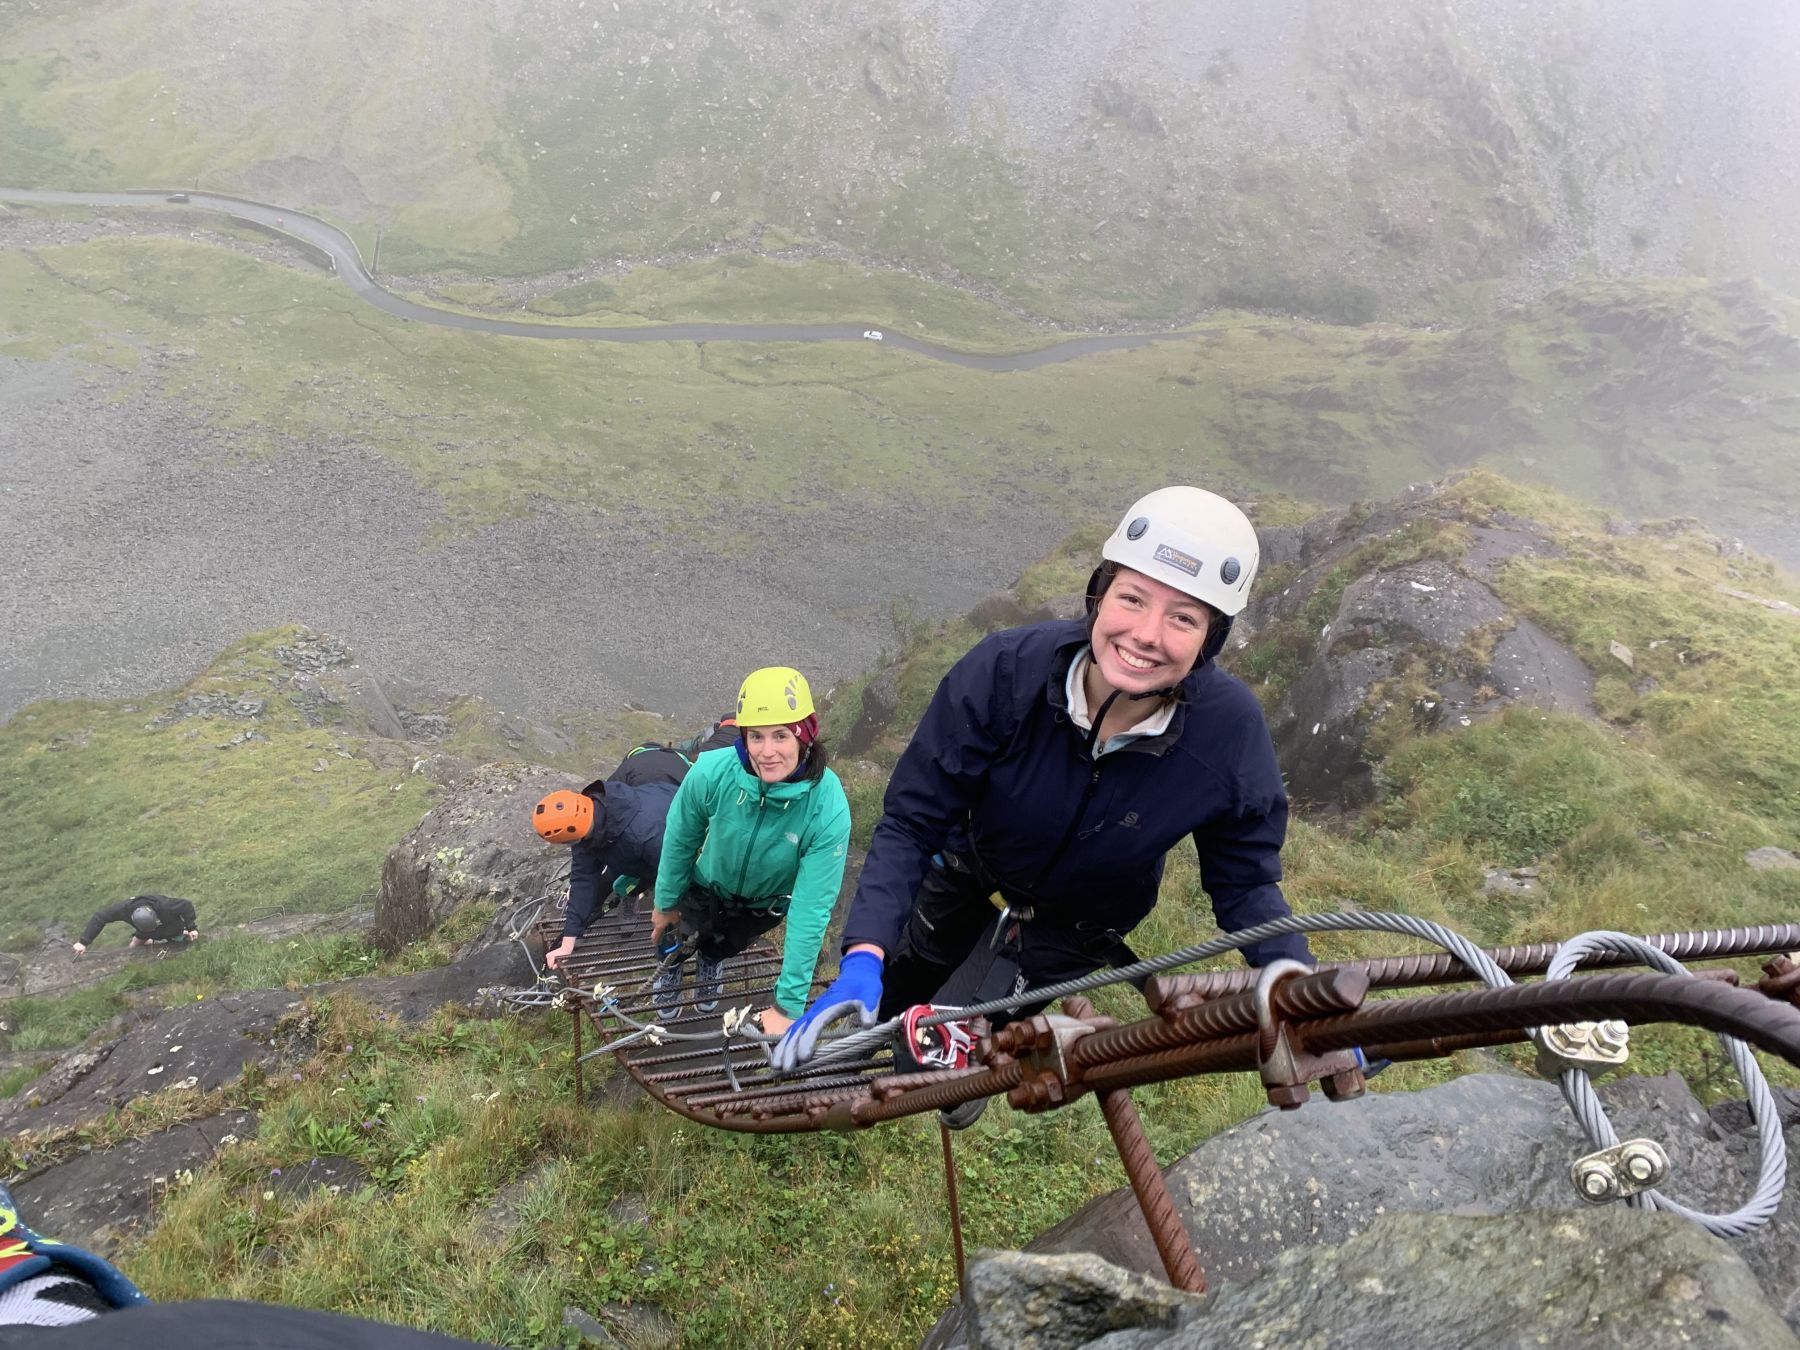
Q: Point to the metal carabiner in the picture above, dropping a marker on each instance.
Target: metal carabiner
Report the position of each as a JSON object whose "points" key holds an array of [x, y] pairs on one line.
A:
{"points": [[1023, 914]]}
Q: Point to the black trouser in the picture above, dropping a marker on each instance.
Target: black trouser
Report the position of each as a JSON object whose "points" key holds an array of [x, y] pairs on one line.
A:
{"points": [[944, 940], [726, 924]]}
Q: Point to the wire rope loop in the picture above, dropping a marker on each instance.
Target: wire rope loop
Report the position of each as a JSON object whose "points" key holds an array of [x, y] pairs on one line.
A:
{"points": [[1590, 1111]]}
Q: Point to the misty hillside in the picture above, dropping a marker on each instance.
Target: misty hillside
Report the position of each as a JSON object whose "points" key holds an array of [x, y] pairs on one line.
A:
{"points": [[1132, 161]]}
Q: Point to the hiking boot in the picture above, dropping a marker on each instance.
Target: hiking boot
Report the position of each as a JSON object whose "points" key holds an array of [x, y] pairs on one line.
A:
{"points": [[964, 1114], [709, 982], [665, 990]]}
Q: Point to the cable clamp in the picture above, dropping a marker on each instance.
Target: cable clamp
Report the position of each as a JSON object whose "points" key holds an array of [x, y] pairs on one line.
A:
{"points": [[1620, 1172], [1594, 1048]]}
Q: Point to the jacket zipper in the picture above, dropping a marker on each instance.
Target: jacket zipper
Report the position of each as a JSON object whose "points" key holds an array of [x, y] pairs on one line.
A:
{"points": [[1087, 794], [762, 801], [1068, 837]]}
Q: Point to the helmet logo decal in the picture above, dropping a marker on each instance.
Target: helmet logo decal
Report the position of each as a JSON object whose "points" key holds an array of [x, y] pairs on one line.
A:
{"points": [[1228, 570], [1136, 529], [793, 696], [1175, 558]]}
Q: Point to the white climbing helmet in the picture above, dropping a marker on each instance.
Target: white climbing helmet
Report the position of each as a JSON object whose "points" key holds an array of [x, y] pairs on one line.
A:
{"points": [[1190, 539]]}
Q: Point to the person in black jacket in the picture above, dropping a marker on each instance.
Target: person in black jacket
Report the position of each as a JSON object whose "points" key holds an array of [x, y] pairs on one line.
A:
{"points": [[615, 827], [1056, 766], [153, 918]]}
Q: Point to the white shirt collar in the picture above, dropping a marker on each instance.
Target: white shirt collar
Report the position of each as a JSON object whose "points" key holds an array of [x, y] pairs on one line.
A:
{"points": [[1075, 691]]}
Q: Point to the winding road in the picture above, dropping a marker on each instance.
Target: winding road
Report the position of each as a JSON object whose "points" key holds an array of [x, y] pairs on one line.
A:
{"points": [[347, 262]]}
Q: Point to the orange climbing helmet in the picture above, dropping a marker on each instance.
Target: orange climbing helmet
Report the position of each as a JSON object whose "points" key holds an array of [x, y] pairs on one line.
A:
{"points": [[564, 817]]}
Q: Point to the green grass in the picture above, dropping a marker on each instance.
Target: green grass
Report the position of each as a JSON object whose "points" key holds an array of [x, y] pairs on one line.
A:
{"points": [[102, 803], [14, 1079], [1244, 404], [105, 800], [445, 1115], [1636, 823], [101, 806], [214, 965]]}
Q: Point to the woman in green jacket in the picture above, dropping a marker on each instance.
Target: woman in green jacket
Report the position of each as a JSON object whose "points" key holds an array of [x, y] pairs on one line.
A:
{"points": [[757, 833]]}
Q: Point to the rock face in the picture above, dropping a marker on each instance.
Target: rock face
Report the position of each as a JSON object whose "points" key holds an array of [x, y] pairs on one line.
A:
{"points": [[1486, 1144], [1612, 1278], [204, 1045], [1388, 616], [1062, 1302], [196, 1047], [476, 844], [97, 1199]]}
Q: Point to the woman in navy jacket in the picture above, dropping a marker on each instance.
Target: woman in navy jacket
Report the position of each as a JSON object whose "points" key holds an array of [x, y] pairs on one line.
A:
{"points": [[1056, 766]]}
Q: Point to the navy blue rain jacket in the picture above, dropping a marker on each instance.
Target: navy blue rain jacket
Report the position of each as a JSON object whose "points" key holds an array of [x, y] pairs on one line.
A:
{"points": [[998, 774], [628, 842]]}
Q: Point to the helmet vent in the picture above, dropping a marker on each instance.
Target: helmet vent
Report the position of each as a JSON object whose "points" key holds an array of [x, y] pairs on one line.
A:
{"points": [[1136, 529], [1229, 570]]}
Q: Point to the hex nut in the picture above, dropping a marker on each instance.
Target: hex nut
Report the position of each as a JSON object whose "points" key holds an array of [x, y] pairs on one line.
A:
{"points": [[1289, 1097]]}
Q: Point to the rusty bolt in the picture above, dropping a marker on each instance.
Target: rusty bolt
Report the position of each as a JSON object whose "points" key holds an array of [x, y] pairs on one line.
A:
{"points": [[1037, 1094], [1345, 1086], [1289, 1096], [1781, 978]]}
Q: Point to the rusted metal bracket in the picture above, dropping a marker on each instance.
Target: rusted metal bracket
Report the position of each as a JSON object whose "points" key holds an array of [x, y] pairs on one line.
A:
{"points": [[1043, 1046], [1286, 1067], [1781, 978]]}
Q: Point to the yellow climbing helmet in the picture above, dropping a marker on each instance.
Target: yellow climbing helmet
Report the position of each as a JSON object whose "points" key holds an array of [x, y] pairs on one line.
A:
{"points": [[775, 696]]}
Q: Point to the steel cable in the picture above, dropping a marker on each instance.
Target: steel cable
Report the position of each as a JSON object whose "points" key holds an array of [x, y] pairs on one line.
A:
{"points": [[1576, 1087], [1579, 1092], [856, 1042]]}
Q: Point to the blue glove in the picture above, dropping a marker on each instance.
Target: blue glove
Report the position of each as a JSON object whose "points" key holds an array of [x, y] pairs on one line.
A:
{"points": [[1370, 1067], [856, 989]]}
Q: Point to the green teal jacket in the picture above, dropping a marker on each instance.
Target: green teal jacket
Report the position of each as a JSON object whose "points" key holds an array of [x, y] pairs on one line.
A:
{"points": [[738, 836]]}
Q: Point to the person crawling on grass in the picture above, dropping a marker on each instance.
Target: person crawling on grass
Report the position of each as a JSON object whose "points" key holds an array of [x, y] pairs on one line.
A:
{"points": [[614, 827], [153, 918]]}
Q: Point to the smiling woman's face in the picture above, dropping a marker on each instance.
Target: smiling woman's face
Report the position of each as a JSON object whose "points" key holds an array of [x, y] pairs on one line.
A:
{"points": [[1147, 635], [774, 752]]}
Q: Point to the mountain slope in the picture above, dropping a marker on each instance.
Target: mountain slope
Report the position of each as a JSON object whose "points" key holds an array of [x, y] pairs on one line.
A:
{"points": [[1131, 161]]}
